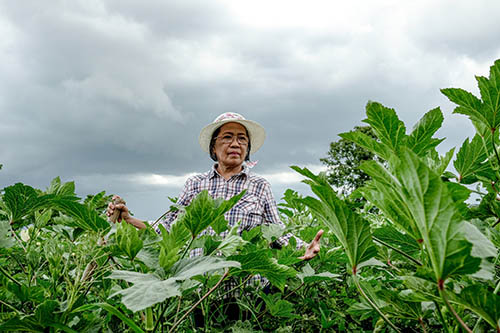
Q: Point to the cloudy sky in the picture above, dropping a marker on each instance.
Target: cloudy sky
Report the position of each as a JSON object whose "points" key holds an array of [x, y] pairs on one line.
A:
{"points": [[113, 94]]}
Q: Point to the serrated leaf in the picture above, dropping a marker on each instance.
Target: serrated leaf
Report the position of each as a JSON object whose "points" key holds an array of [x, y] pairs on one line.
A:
{"points": [[260, 262], [146, 291], [21, 200], [420, 139], [367, 143], [471, 160], [308, 275], [351, 230], [385, 123], [204, 211], [278, 307], [469, 104], [393, 237], [84, 217], [272, 232], [483, 302], [490, 93], [430, 210], [398, 307], [6, 239], [189, 267]]}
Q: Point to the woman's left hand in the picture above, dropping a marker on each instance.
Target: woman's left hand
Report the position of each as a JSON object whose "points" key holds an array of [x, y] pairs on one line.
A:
{"points": [[313, 248]]}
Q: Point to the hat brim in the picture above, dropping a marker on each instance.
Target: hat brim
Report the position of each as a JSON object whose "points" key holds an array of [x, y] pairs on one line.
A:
{"points": [[256, 133]]}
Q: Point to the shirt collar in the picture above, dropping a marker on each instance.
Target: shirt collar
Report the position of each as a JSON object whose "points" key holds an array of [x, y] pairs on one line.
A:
{"points": [[213, 172]]}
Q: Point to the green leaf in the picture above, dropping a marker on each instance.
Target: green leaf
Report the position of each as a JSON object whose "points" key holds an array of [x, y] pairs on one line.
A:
{"points": [[367, 143], [471, 160], [128, 240], [308, 275], [21, 200], [146, 291], [385, 123], [490, 93], [260, 262], [44, 313], [420, 140], [393, 237], [205, 211], [272, 232], [482, 301], [468, 105], [277, 306], [17, 324], [351, 230], [189, 267], [231, 243], [398, 307], [6, 239], [84, 217], [130, 323], [429, 209]]}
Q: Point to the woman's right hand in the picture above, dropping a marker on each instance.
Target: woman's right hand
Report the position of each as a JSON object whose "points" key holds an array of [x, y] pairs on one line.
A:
{"points": [[124, 212]]}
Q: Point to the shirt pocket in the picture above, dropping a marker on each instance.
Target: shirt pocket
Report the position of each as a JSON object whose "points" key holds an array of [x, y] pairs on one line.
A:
{"points": [[249, 210]]}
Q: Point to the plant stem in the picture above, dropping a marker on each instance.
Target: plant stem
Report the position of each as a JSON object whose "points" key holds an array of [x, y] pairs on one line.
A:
{"points": [[452, 310], [9, 276], [11, 307], [373, 305], [187, 248], [397, 250], [438, 308], [421, 321], [494, 146], [179, 301], [172, 329]]}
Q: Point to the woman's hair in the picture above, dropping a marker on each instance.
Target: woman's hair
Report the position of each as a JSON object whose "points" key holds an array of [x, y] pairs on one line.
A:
{"points": [[213, 156]]}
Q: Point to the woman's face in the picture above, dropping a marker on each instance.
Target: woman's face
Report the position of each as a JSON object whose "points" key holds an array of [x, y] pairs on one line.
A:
{"points": [[231, 154]]}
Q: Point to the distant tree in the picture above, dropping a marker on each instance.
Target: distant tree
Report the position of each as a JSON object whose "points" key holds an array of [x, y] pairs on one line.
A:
{"points": [[343, 161]]}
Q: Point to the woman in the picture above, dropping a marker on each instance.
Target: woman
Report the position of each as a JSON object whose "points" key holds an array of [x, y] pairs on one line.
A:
{"points": [[230, 140]]}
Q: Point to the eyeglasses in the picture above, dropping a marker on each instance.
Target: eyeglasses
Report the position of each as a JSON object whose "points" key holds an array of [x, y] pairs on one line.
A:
{"points": [[228, 138]]}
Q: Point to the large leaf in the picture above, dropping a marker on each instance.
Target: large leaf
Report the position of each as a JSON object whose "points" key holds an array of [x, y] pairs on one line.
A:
{"points": [[308, 275], [485, 111], [189, 267], [261, 262], [351, 230], [21, 200], [430, 210], [471, 160], [6, 239], [393, 237], [482, 301], [469, 105], [385, 123], [420, 139], [83, 217], [368, 143], [205, 211], [146, 291]]}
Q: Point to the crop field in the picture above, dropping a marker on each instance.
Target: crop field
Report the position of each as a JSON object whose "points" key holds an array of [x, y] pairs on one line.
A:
{"points": [[413, 250]]}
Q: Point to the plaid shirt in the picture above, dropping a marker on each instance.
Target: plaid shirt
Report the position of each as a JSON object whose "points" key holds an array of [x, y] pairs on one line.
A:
{"points": [[255, 208]]}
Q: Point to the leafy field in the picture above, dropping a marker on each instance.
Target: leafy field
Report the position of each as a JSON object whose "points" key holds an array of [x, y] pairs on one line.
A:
{"points": [[412, 250]]}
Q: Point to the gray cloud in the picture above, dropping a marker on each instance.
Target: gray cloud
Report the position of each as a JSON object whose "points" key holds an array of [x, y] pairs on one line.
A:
{"points": [[104, 92]]}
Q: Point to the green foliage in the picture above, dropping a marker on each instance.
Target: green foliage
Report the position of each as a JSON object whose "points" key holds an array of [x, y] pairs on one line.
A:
{"points": [[413, 253], [352, 231], [128, 240], [204, 211], [344, 158]]}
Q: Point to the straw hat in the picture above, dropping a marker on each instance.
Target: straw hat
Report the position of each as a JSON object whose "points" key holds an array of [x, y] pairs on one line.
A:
{"points": [[256, 132]]}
